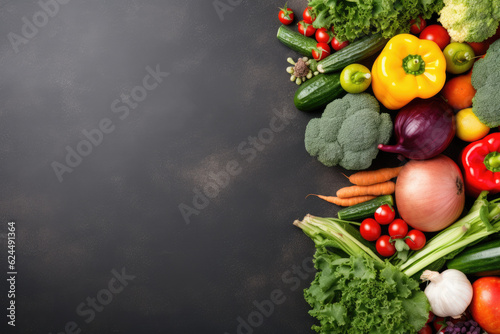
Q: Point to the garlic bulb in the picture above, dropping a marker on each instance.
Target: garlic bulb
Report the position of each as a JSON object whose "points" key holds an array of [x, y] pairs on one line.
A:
{"points": [[449, 293]]}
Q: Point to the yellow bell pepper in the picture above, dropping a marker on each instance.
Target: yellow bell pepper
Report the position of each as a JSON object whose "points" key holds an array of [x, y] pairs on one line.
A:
{"points": [[408, 68]]}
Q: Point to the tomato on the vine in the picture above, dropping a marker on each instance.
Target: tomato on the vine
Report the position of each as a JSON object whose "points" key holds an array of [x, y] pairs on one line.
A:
{"points": [[417, 25], [398, 229], [308, 15], [416, 239], [286, 15], [385, 214], [370, 230], [321, 51], [306, 29], [384, 246], [336, 45], [323, 35], [437, 34]]}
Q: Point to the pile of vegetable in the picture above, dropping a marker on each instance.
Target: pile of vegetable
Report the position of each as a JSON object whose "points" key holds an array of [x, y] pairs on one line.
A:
{"points": [[355, 290], [409, 78]]}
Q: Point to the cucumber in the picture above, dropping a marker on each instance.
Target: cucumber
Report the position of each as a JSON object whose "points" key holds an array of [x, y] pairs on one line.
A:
{"points": [[481, 260], [354, 52], [318, 91], [365, 209], [296, 41]]}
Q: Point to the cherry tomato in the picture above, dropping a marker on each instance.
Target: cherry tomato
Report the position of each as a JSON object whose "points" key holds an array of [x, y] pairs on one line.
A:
{"points": [[286, 15], [355, 78], [336, 45], [384, 247], [416, 239], [430, 318], [321, 51], [308, 15], [479, 48], [398, 229], [370, 230], [323, 35], [385, 214], [306, 29], [417, 25], [425, 330], [438, 323], [482, 47], [436, 33]]}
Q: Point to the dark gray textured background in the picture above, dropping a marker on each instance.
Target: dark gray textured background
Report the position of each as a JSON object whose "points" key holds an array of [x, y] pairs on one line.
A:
{"points": [[119, 207]]}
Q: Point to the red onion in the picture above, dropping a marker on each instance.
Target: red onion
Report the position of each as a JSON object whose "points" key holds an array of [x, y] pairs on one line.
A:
{"points": [[423, 129], [430, 193]]}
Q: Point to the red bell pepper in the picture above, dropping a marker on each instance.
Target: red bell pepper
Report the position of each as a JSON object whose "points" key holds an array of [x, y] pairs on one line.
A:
{"points": [[481, 162]]}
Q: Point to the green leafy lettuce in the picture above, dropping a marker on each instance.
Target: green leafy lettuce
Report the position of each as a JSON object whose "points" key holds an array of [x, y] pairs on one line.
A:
{"points": [[352, 19], [354, 291], [357, 294]]}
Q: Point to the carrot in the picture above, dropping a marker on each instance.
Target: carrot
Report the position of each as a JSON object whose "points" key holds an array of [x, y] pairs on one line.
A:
{"points": [[383, 188], [344, 201], [366, 178], [458, 92]]}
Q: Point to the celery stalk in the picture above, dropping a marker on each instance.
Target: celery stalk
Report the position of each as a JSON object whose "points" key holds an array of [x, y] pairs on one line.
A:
{"points": [[331, 232], [476, 225]]}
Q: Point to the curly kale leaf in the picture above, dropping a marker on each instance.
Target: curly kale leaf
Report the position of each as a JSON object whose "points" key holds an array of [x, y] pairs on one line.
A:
{"points": [[355, 18], [359, 295]]}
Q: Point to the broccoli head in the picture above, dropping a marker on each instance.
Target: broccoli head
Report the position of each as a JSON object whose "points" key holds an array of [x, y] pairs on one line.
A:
{"points": [[348, 132], [470, 20], [486, 101]]}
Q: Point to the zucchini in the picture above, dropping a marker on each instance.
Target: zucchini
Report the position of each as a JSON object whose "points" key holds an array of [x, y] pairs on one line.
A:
{"points": [[296, 41], [481, 260], [354, 52], [318, 91], [365, 209]]}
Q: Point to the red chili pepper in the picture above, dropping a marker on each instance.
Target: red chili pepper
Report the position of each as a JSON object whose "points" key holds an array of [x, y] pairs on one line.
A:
{"points": [[481, 162]]}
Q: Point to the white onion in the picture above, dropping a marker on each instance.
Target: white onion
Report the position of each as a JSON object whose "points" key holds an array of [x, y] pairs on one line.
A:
{"points": [[430, 193]]}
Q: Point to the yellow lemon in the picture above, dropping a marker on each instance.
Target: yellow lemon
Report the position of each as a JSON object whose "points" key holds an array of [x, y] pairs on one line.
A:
{"points": [[469, 127]]}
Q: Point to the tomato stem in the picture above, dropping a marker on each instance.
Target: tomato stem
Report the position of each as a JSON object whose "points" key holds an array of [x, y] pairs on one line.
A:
{"points": [[360, 77], [462, 57]]}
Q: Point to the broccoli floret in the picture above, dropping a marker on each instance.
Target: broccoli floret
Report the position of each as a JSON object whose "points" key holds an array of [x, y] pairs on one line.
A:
{"points": [[470, 20], [348, 132], [486, 102]]}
